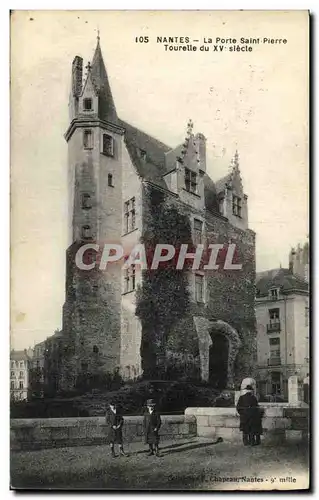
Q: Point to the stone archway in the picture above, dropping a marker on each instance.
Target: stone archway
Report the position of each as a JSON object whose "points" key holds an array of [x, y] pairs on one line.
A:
{"points": [[203, 328]]}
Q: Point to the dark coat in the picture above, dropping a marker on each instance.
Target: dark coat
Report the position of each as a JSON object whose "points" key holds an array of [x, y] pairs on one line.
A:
{"points": [[114, 435], [250, 414], [152, 421]]}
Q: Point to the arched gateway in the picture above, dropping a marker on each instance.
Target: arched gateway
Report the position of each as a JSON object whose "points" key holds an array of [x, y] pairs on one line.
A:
{"points": [[218, 347]]}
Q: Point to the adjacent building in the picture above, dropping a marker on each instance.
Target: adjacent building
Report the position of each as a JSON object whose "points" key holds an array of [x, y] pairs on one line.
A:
{"points": [[282, 315], [19, 374]]}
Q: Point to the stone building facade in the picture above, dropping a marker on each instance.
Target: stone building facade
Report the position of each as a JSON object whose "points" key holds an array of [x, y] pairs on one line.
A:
{"points": [[20, 374], [114, 169], [282, 315]]}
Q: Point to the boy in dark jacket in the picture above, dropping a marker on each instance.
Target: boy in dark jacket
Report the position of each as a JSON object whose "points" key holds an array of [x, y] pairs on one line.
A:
{"points": [[152, 424], [114, 422], [250, 417]]}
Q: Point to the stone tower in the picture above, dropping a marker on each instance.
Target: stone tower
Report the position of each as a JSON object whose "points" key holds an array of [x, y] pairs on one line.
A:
{"points": [[91, 313]]}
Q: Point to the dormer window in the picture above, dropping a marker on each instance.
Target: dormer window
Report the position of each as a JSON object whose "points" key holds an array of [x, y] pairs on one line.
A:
{"points": [[190, 181], [143, 154], [236, 206], [87, 104], [274, 293], [108, 145]]}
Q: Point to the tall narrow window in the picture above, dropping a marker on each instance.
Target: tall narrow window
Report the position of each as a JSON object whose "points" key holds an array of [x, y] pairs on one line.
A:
{"points": [[20, 384], [190, 181], [87, 104], [86, 232], [237, 206], [198, 230], [12, 384], [87, 139], [107, 146], [86, 201], [199, 288], [306, 316], [129, 215], [110, 180], [129, 279]]}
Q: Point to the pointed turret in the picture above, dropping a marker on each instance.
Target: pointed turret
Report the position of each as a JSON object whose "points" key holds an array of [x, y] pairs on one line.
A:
{"points": [[107, 110]]}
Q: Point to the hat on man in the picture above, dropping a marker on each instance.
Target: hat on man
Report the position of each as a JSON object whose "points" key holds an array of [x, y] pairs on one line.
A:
{"points": [[150, 402]]}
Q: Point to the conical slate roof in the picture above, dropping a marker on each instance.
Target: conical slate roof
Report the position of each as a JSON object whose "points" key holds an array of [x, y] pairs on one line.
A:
{"points": [[107, 110]]}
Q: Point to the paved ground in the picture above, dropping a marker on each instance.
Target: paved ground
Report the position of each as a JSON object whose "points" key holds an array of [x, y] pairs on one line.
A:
{"points": [[195, 464]]}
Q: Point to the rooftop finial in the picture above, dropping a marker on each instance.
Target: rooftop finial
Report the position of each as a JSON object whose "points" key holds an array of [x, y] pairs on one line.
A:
{"points": [[190, 126], [236, 159], [98, 35]]}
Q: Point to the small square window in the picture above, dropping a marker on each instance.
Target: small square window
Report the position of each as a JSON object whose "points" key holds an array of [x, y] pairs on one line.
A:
{"points": [[108, 145], [86, 201], [86, 232], [87, 139], [87, 104]]}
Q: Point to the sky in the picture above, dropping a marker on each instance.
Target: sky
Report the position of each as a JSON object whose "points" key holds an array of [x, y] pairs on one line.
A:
{"points": [[254, 101]]}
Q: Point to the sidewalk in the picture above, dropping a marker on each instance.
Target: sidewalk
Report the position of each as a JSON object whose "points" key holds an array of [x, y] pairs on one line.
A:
{"points": [[193, 464]]}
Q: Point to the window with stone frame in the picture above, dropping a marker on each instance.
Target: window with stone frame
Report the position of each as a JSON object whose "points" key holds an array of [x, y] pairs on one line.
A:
{"points": [[13, 374], [86, 201], [87, 139], [274, 316], [237, 208], [198, 231], [274, 346], [12, 384], [87, 104], [199, 287], [21, 385], [107, 145], [21, 374], [129, 279], [190, 181], [86, 232], [129, 215]]}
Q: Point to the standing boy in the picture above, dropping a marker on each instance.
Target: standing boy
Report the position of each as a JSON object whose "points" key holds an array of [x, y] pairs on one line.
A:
{"points": [[152, 424], [114, 421]]}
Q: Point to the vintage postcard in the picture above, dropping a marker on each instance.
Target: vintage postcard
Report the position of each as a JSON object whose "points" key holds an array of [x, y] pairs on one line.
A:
{"points": [[160, 250]]}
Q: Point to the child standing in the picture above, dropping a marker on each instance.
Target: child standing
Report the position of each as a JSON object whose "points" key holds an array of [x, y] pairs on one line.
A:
{"points": [[152, 424], [114, 421]]}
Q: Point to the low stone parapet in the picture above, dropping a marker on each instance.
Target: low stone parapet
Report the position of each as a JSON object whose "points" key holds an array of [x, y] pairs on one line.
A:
{"points": [[280, 423], [58, 432]]}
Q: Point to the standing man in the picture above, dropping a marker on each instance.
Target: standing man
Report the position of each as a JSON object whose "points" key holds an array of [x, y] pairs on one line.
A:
{"points": [[152, 424], [114, 422], [250, 417]]}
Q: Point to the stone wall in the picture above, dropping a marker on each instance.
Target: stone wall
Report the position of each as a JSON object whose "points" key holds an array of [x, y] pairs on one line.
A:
{"points": [[280, 423], [58, 432]]}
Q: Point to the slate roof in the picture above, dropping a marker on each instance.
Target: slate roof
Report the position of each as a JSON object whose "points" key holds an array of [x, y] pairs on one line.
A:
{"points": [[19, 355], [151, 157], [107, 110], [280, 278]]}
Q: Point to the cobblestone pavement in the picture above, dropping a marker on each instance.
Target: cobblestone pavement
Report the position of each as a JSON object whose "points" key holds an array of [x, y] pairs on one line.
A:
{"points": [[195, 464]]}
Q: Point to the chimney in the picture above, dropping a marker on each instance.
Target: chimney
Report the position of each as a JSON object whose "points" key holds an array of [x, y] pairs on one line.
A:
{"points": [[77, 75]]}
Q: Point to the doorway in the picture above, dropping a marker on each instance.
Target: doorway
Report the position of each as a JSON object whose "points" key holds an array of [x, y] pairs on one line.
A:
{"points": [[218, 361]]}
